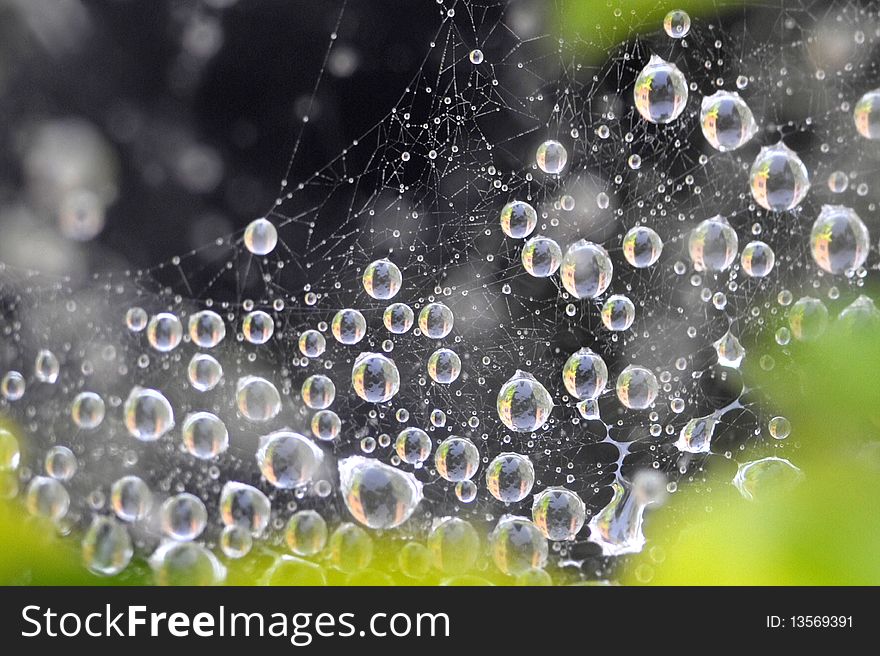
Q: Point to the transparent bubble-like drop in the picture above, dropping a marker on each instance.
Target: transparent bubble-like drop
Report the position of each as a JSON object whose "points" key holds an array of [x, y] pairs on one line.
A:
{"points": [[288, 459], [779, 179], [312, 343], [257, 399], [106, 547], [729, 349], [306, 533], [779, 428], [558, 513], [398, 318], [642, 247], [766, 476], [183, 517], [518, 219], [712, 244], [87, 410], [413, 445], [60, 463], [808, 319], [136, 319], [436, 320], [148, 414], [866, 115], [244, 505], [637, 387], [348, 326], [727, 121], [350, 548], [12, 386], [206, 328], [838, 182], [204, 435], [382, 279], [326, 425], [839, 240], [454, 545], [456, 459], [46, 367], [130, 498], [541, 257], [185, 563], [164, 332], [661, 91], [377, 495], [618, 313], [677, 24], [696, 435], [318, 392], [235, 542], [757, 259], [524, 404], [476, 57], [260, 237], [551, 157], [586, 270], [47, 497], [204, 372], [444, 366], [589, 409], [585, 374], [466, 491], [617, 528], [510, 477], [375, 377], [10, 451], [258, 327], [517, 545], [861, 314]]}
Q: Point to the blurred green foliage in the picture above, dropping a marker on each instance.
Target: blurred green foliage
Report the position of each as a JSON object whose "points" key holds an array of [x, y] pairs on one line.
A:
{"points": [[823, 531], [598, 25]]}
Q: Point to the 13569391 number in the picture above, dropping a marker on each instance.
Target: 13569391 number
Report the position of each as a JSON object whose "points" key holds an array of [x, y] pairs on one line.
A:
{"points": [[820, 621]]}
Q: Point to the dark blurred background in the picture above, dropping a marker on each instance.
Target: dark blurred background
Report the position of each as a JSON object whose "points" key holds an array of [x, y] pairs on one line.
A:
{"points": [[131, 131]]}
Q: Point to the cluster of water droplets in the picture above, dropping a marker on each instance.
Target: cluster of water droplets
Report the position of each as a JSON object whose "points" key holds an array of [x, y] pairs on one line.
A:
{"points": [[521, 416]]}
